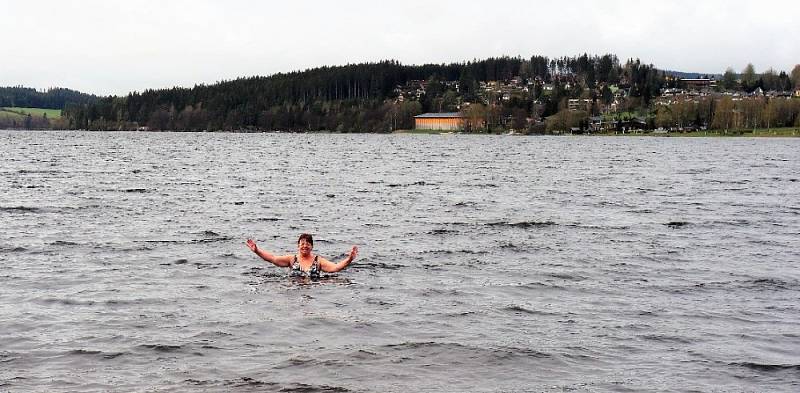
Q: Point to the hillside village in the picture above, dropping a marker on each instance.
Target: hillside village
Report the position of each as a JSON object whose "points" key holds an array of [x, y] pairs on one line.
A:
{"points": [[687, 106]]}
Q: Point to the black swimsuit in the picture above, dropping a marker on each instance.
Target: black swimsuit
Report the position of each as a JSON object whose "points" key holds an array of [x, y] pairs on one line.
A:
{"points": [[313, 271]]}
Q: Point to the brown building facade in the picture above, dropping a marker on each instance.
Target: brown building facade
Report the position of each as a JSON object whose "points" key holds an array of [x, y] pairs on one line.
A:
{"points": [[439, 121]]}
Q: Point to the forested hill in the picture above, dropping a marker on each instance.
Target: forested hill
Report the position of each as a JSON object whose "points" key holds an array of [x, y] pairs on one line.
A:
{"points": [[54, 98], [374, 97]]}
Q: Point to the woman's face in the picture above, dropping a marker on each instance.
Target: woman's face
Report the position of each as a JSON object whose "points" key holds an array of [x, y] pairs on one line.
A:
{"points": [[304, 247]]}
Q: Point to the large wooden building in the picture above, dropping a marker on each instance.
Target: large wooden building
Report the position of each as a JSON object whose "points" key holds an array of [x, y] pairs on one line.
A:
{"points": [[439, 121]]}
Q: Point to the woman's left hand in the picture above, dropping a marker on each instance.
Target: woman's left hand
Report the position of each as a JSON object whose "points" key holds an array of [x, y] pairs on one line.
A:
{"points": [[252, 245]]}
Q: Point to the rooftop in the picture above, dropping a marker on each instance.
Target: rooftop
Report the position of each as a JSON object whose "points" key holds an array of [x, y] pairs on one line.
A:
{"points": [[445, 114]]}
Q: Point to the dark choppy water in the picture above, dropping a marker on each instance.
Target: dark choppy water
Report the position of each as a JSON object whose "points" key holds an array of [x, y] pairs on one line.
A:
{"points": [[487, 264]]}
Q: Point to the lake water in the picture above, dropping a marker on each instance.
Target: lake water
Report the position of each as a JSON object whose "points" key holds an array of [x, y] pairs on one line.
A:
{"points": [[487, 263]]}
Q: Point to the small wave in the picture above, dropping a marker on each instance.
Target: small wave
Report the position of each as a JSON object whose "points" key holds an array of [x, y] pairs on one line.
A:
{"points": [[304, 388], [509, 352], [564, 276], [460, 314], [200, 265], [7, 357], [20, 209], [417, 183], [379, 302], [413, 345], [68, 302], [666, 339], [376, 225], [677, 224], [767, 367], [162, 241], [264, 273], [441, 291], [456, 350], [522, 310], [695, 171], [237, 383], [539, 285], [377, 265], [87, 352], [522, 224], [473, 252], [64, 243], [14, 249], [761, 284], [458, 223], [770, 284], [84, 352], [213, 334], [735, 223], [296, 362], [211, 240], [741, 182], [310, 362], [45, 172], [363, 354], [438, 252], [135, 190], [443, 232], [118, 302], [161, 347], [268, 219], [191, 241]]}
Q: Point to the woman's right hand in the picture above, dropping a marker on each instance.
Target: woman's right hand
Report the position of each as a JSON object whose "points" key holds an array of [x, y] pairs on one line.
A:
{"points": [[252, 245]]}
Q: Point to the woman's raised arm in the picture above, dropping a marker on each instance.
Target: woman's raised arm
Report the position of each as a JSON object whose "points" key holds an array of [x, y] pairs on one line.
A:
{"points": [[282, 260], [330, 267]]}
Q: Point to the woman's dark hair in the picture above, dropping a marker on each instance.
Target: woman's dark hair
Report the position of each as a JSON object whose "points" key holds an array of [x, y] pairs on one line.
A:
{"points": [[307, 237]]}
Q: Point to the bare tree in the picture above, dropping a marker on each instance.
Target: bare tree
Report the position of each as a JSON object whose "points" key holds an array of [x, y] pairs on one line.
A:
{"points": [[795, 76]]}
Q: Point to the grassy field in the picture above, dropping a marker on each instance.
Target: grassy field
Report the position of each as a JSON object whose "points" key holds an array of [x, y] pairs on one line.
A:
{"points": [[38, 112], [9, 115]]}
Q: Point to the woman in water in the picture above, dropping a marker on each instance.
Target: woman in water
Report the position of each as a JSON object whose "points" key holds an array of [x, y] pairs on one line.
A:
{"points": [[304, 263]]}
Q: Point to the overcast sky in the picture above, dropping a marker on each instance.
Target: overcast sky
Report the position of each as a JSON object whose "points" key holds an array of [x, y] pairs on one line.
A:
{"points": [[115, 47]]}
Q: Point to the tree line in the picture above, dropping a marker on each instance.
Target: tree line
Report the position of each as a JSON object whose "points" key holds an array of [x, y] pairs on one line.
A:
{"points": [[372, 97], [770, 80], [363, 97], [53, 98]]}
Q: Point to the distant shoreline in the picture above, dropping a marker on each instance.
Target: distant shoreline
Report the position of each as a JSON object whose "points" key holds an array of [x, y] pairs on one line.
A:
{"points": [[758, 133]]}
